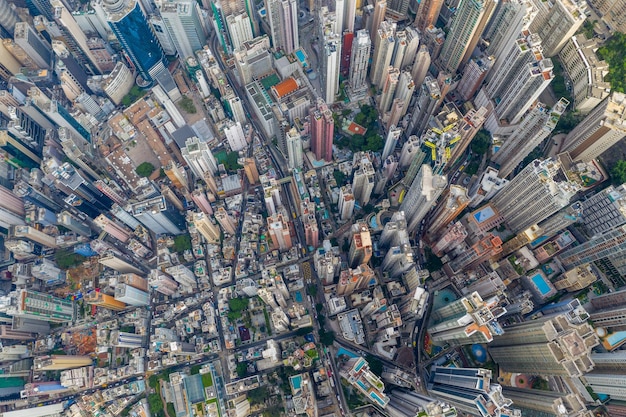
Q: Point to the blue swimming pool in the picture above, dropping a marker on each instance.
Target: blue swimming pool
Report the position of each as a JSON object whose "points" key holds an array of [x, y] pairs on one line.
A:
{"points": [[298, 296], [541, 284], [300, 55], [296, 381]]}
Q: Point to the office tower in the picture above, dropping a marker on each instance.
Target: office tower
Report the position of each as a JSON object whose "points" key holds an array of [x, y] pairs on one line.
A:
{"points": [[239, 29], [182, 19], [360, 245], [199, 157], [110, 260], [163, 35], [295, 156], [322, 128], [183, 275], [139, 43], [75, 40], [420, 65], [601, 129], [357, 373], [556, 22], [604, 210], [349, 15], [37, 49], [427, 14], [331, 60], [509, 20], [380, 9], [475, 72], [60, 362], [359, 63], [118, 83], [422, 195], [209, 230], [8, 18], [47, 271], [466, 24], [157, 215], [162, 282], [392, 139], [518, 77], [452, 203], [131, 295], [426, 104], [121, 339], [279, 232], [235, 136], [346, 203], [537, 192], [532, 401], [533, 128], [9, 65], [586, 72], [470, 390], [612, 12], [363, 181], [549, 345], [283, 19], [388, 87], [384, 43], [38, 306]]}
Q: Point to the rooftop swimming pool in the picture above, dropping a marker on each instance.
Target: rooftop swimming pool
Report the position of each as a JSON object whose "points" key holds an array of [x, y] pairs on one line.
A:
{"points": [[541, 284], [296, 381]]}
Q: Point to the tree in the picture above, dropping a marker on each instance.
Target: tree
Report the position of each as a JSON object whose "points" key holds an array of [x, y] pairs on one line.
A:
{"points": [[327, 338], [346, 112], [258, 395], [242, 369], [145, 169], [182, 243], [340, 177], [231, 163], [374, 142], [312, 290], [614, 53], [618, 172], [481, 142], [238, 304]]}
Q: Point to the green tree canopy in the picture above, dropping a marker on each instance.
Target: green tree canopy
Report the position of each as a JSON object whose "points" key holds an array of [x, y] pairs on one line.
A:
{"points": [[238, 304], [145, 169], [481, 142], [614, 53], [618, 173]]}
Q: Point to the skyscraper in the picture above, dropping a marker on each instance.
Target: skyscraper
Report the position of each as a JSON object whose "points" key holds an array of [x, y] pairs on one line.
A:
{"points": [[359, 63], [534, 127], [283, 19], [509, 20], [294, 149], [349, 15], [199, 157], [537, 192], [384, 42], [389, 85], [549, 345], [427, 14], [37, 49], [473, 75], [139, 43], [420, 65], [182, 20], [331, 60], [518, 77], [452, 203], [38, 306], [466, 321], [322, 131], [239, 29], [466, 23], [556, 22], [426, 103], [471, 391], [158, 216], [422, 195], [601, 129], [279, 232], [380, 8]]}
